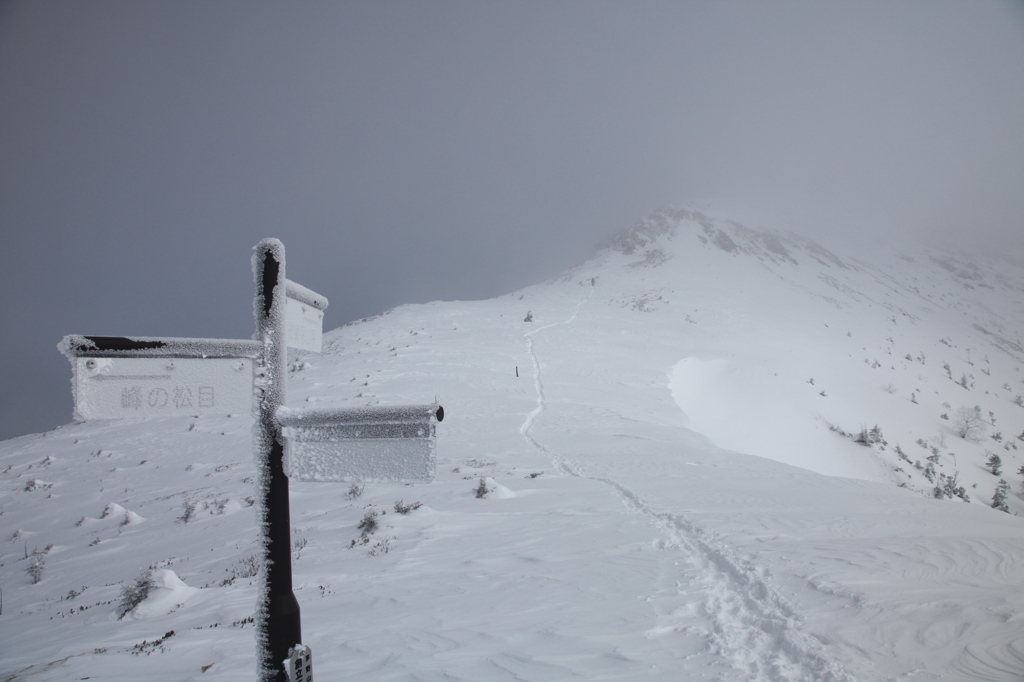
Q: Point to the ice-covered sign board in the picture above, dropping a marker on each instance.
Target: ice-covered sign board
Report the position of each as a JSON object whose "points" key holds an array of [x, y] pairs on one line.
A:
{"points": [[141, 377], [395, 444], [303, 317]]}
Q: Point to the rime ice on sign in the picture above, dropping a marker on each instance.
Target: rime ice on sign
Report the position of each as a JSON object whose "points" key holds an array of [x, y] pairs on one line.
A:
{"points": [[304, 326], [126, 388], [395, 444], [299, 664], [122, 378], [303, 317]]}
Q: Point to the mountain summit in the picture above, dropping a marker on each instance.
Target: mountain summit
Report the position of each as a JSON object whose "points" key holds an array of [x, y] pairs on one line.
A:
{"points": [[708, 452]]}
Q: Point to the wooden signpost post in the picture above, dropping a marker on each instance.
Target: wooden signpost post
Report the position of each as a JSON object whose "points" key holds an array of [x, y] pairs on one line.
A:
{"points": [[140, 377]]}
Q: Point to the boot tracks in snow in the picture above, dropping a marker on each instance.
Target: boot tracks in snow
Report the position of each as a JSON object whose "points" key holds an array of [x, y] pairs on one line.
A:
{"points": [[752, 627]]}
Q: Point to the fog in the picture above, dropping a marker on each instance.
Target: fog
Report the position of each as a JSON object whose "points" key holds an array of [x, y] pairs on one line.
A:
{"points": [[407, 152]]}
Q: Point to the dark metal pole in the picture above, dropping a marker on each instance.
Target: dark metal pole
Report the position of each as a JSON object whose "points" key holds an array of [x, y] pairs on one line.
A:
{"points": [[277, 611]]}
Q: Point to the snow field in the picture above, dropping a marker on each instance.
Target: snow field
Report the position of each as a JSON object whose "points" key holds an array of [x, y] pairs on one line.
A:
{"points": [[658, 509]]}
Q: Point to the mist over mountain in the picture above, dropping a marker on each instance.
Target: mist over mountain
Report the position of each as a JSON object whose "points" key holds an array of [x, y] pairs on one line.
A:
{"points": [[712, 449], [451, 150]]}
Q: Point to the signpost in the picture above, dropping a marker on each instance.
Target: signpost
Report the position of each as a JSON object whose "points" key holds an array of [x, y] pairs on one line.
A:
{"points": [[395, 444], [304, 317], [140, 377], [137, 377]]}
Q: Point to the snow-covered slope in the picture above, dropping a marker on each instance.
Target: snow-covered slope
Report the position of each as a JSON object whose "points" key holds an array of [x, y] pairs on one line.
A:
{"points": [[671, 495]]}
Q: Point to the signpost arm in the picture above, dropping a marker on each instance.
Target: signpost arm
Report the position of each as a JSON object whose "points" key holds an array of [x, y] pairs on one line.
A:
{"points": [[277, 613]]}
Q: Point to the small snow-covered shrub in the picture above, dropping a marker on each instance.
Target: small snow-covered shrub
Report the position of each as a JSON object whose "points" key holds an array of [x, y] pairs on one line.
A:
{"points": [[354, 491], [367, 527], [869, 437], [839, 430], [135, 592], [994, 464], [369, 523], [481, 489], [948, 487], [36, 564], [246, 567], [403, 508], [382, 546], [999, 497], [189, 512], [149, 648], [37, 484], [298, 544]]}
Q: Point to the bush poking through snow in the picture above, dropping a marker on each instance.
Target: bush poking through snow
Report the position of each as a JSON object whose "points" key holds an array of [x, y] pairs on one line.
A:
{"points": [[369, 524], [868, 437], [481, 489], [36, 564], [148, 648], [298, 544], [999, 497], [135, 592], [36, 484], [246, 567], [354, 491], [190, 511], [382, 546], [403, 508], [994, 464], [367, 527], [948, 488]]}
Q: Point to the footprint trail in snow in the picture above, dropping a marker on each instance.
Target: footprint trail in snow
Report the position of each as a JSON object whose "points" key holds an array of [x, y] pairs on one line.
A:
{"points": [[750, 624]]}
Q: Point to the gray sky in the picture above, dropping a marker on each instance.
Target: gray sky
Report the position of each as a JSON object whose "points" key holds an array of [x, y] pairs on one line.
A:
{"points": [[413, 151]]}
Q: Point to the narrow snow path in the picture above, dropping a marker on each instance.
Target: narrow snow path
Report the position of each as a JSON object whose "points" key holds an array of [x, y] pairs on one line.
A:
{"points": [[751, 625], [560, 463]]}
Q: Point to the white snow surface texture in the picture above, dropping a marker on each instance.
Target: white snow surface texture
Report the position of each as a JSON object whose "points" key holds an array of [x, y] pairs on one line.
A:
{"points": [[664, 500]]}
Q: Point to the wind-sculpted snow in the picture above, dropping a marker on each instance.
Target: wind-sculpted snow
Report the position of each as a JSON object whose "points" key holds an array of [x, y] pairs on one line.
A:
{"points": [[587, 520]]}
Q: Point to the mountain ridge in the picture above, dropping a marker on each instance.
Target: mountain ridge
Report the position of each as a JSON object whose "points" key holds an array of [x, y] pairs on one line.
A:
{"points": [[664, 496]]}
